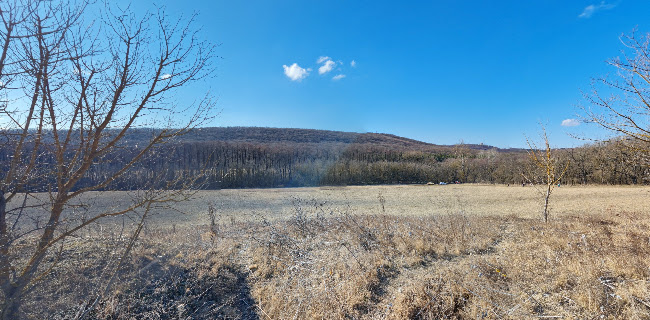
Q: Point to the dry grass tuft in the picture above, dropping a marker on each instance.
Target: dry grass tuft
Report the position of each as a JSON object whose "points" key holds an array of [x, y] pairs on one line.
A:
{"points": [[333, 263], [454, 266]]}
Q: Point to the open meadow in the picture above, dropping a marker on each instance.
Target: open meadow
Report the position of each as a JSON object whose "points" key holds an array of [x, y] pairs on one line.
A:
{"points": [[266, 163], [364, 252], [474, 200]]}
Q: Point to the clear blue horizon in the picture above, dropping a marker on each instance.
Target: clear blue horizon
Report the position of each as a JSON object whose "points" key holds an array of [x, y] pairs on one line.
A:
{"points": [[440, 72]]}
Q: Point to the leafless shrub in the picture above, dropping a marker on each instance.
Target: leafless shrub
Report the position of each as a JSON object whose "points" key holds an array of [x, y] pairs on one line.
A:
{"points": [[551, 166]]}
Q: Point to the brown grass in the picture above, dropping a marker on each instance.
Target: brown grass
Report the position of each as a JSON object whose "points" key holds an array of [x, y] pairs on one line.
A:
{"points": [[460, 267], [325, 261], [402, 200]]}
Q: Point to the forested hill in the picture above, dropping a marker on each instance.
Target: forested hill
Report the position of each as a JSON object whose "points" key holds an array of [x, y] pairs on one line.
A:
{"points": [[252, 157], [291, 135], [265, 135]]}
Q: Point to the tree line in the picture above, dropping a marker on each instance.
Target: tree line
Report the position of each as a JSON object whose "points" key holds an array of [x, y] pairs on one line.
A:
{"points": [[254, 165], [247, 164]]}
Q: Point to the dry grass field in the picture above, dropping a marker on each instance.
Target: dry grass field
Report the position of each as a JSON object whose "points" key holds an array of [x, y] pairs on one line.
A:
{"points": [[246, 205], [378, 252]]}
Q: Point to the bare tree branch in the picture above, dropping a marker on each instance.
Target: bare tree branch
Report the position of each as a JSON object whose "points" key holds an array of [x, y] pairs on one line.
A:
{"points": [[73, 88]]}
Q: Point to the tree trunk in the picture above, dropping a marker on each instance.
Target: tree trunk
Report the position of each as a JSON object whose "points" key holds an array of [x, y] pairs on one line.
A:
{"points": [[11, 303], [548, 195]]}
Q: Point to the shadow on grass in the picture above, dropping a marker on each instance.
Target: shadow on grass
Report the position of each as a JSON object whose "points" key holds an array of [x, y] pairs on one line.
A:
{"points": [[163, 291]]}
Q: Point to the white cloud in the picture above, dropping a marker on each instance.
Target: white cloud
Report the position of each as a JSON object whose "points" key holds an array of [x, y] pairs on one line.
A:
{"points": [[353, 64], [327, 67], [295, 72], [166, 76], [592, 8], [322, 59], [570, 122], [588, 11], [338, 77]]}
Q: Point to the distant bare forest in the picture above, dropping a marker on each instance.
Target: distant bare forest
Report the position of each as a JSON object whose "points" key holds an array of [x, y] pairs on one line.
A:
{"points": [[251, 157]]}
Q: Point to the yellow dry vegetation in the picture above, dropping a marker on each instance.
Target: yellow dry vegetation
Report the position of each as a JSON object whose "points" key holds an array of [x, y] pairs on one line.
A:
{"points": [[423, 200], [457, 267], [392, 252]]}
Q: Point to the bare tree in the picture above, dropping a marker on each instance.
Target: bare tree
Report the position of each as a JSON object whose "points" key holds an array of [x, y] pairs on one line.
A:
{"points": [[552, 170], [622, 104], [72, 89]]}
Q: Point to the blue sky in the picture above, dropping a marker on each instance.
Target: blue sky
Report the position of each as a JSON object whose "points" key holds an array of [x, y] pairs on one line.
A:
{"points": [[437, 71]]}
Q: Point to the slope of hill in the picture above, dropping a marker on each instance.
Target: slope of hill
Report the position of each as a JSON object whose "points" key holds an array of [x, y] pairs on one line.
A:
{"points": [[283, 135], [271, 157], [254, 157], [265, 135]]}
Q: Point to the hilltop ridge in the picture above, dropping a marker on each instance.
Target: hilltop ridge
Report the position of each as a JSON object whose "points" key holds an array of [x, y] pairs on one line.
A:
{"points": [[269, 135]]}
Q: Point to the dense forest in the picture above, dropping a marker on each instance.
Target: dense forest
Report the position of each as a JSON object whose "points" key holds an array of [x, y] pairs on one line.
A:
{"points": [[250, 157]]}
